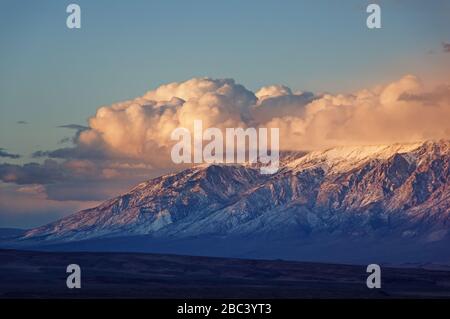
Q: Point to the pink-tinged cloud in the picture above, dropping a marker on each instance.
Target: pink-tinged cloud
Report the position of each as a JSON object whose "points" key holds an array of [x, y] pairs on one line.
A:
{"points": [[130, 141], [397, 112]]}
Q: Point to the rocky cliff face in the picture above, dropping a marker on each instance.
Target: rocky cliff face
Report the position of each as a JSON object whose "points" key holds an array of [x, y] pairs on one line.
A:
{"points": [[401, 190]]}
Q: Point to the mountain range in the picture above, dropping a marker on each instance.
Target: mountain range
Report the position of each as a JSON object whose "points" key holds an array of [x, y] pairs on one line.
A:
{"points": [[387, 203]]}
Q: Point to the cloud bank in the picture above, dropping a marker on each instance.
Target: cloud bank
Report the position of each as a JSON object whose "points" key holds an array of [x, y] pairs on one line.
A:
{"points": [[130, 140], [140, 129]]}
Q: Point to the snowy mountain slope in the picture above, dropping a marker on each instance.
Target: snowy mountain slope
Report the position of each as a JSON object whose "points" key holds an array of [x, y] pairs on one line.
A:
{"points": [[400, 190]]}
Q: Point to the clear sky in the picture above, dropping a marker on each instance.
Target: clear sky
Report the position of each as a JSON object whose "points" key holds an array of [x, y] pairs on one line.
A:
{"points": [[52, 76]]}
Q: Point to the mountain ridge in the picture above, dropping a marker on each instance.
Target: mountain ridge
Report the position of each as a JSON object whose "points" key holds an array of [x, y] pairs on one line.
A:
{"points": [[399, 191]]}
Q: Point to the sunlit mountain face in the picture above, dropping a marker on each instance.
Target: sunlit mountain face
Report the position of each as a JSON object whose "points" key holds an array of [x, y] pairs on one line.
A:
{"points": [[392, 200]]}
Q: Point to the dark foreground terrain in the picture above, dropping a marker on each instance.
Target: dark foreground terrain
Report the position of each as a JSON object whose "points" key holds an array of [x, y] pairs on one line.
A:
{"points": [[25, 274]]}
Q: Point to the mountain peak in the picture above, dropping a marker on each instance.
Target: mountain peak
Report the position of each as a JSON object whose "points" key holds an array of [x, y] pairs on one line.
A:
{"points": [[344, 158], [351, 189]]}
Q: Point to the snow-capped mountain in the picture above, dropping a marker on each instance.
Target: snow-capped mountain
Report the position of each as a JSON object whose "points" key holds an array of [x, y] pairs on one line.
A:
{"points": [[400, 190]]}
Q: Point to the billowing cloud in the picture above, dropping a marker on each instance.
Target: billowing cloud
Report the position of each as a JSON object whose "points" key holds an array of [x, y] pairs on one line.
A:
{"points": [[140, 129], [131, 140], [401, 111]]}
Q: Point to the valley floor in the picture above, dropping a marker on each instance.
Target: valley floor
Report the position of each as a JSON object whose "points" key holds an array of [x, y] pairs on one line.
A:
{"points": [[26, 274]]}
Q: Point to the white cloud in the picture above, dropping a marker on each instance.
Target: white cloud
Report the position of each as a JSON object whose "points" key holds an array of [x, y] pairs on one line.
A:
{"points": [[140, 128], [131, 140]]}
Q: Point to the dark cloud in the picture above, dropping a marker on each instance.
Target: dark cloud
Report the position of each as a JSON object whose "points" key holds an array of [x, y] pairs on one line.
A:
{"points": [[78, 128], [74, 127], [72, 152], [32, 173], [446, 47], [80, 180], [51, 171], [4, 153], [22, 122], [77, 152]]}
